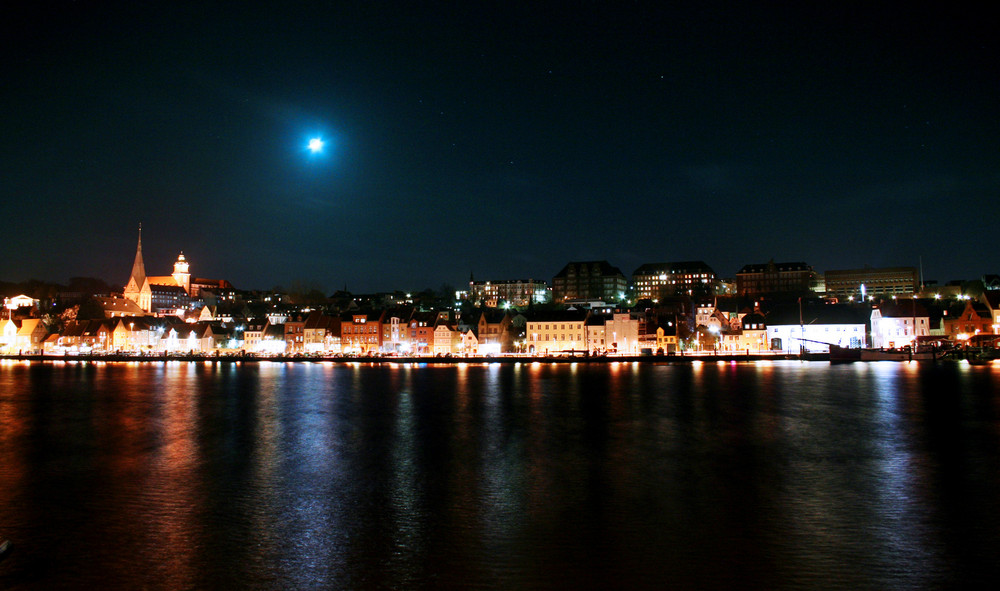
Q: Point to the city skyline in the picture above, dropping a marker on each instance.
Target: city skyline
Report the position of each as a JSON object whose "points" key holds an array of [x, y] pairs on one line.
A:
{"points": [[495, 140]]}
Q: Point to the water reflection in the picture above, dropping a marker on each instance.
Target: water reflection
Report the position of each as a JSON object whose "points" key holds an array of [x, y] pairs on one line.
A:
{"points": [[707, 475]]}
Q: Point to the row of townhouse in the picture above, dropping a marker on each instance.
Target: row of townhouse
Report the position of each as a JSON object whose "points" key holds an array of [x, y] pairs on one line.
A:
{"points": [[814, 325], [139, 334], [21, 335]]}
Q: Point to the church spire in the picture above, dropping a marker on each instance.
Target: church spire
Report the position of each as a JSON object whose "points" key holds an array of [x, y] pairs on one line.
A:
{"points": [[138, 268]]}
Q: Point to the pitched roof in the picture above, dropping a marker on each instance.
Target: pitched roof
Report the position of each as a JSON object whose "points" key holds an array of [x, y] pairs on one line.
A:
{"points": [[673, 268], [817, 313], [603, 268], [902, 309], [765, 267]]}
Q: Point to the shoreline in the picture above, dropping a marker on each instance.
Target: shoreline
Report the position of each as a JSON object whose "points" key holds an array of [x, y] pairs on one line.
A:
{"points": [[505, 359]]}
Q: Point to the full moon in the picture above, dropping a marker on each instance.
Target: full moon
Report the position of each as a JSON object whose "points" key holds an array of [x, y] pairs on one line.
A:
{"points": [[315, 145]]}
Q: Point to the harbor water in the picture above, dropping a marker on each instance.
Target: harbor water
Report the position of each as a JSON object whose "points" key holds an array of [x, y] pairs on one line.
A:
{"points": [[752, 475]]}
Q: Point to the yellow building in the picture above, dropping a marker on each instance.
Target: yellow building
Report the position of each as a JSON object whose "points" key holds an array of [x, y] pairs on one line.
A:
{"points": [[551, 333]]}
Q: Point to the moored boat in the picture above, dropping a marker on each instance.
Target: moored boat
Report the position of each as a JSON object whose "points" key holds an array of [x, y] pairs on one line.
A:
{"points": [[840, 354], [904, 354]]}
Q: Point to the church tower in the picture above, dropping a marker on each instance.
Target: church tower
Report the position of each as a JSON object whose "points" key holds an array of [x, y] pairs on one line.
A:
{"points": [[181, 274], [137, 289]]}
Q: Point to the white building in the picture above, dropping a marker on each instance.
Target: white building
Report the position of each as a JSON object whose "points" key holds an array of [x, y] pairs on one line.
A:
{"points": [[621, 332], [815, 326], [897, 324]]}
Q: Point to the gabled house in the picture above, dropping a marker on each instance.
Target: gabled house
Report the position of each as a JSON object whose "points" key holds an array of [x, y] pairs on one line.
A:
{"points": [[97, 335], [493, 331], [8, 335], [468, 343], [446, 339], [991, 299], [315, 331], [395, 336], [133, 333], [361, 332], [421, 331], [975, 318], [272, 340], [898, 324]]}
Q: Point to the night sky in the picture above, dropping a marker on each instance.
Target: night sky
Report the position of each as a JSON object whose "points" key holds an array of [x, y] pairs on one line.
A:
{"points": [[503, 141]]}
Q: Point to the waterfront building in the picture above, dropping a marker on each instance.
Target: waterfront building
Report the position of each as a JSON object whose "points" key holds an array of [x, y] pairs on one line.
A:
{"points": [[8, 335], [557, 331], [272, 341], [814, 326], [96, 336], [494, 331], [991, 299], [877, 282], [135, 333], [591, 280], [775, 278], [666, 338], [421, 331], [361, 332], [898, 324], [395, 336], [595, 333], [446, 339], [974, 319], [29, 335], [295, 335], [468, 343], [316, 332], [656, 281], [253, 333], [622, 332]]}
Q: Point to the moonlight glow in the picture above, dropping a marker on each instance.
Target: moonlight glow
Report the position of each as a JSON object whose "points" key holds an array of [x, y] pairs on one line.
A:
{"points": [[315, 145]]}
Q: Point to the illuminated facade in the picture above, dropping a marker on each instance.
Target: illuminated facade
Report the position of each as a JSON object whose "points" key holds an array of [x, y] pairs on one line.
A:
{"points": [[557, 332], [593, 280], [878, 282], [361, 333], [815, 327], [974, 319], [775, 278], [898, 324], [516, 292], [165, 293], [658, 280]]}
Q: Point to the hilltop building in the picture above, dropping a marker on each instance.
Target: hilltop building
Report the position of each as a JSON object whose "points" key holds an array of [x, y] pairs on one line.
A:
{"points": [[878, 282], [591, 280], [775, 278], [516, 292], [166, 293], [659, 280]]}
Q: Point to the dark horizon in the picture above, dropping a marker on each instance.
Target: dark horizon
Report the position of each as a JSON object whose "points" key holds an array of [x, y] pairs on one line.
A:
{"points": [[495, 140]]}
